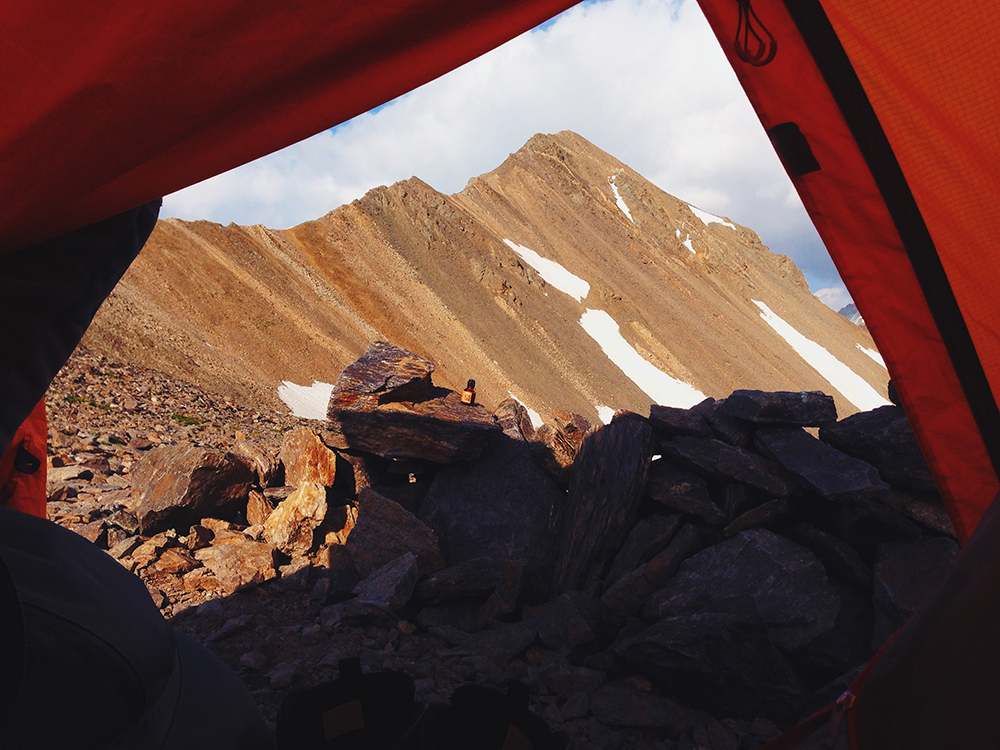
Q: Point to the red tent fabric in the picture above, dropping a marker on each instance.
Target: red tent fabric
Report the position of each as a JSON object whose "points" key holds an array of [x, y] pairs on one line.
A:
{"points": [[108, 105]]}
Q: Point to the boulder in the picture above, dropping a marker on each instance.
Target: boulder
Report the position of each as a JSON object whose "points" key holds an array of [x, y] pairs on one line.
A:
{"points": [[384, 530], [720, 659], [514, 420], [291, 525], [498, 506], [802, 409], [174, 485], [238, 564], [604, 495], [839, 557], [566, 680], [672, 421], [906, 574], [682, 491], [786, 583], [556, 444], [833, 475], [564, 627], [307, 459], [472, 578], [926, 510], [391, 585], [715, 459], [647, 538], [259, 507], [883, 438], [732, 430], [765, 514], [262, 460], [385, 403], [619, 704]]}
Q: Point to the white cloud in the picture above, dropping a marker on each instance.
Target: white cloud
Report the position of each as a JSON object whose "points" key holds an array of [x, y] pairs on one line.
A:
{"points": [[835, 297], [644, 80]]}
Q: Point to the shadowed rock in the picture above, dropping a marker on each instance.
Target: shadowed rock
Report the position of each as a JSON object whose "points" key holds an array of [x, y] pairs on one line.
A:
{"points": [[557, 443], [392, 584], [732, 430], [476, 577], [647, 538], [802, 409], [172, 485], [262, 460], [682, 491], [672, 421], [608, 478], [618, 704], [718, 460], [384, 531]]}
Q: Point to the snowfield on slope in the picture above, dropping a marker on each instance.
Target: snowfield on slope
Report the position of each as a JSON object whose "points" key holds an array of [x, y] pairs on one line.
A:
{"points": [[619, 200], [873, 354], [707, 218], [552, 272], [851, 385], [306, 401], [662, 388]]}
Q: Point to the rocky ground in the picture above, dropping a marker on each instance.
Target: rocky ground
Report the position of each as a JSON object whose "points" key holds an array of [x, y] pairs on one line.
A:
{"points": [[626, 574]]}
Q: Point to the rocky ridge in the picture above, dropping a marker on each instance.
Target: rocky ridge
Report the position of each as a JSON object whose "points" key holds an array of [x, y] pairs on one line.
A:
{"points": [[694, 578]]}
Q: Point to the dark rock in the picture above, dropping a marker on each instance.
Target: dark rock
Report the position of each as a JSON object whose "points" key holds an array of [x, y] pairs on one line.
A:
{"points": [[384, 531], [295, 576], [566, 629], [737, 499], [848, 643], [716, 459], [499, 507], [95, 532], [869, 524], [461, 614], [604, 495], [786, 583], [342, 574], [803, 409], [672, 421], [618, 704], [384, 403], [834, 475], [647, 538], [504, 642], [926, 510], [839, 557], [472, 578], [174, 484], [557, 443], [906, 574], [766, 514], [357, 613], [506, 596], [565, 680], [307, 459], [514, 420], [732, 430], [721, 661], [682, 491], [630, 592], [391, 585], [883, 438]]}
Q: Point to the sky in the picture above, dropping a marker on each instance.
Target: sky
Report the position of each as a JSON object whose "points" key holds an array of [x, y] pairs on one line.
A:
{"points": [[644, 80]]}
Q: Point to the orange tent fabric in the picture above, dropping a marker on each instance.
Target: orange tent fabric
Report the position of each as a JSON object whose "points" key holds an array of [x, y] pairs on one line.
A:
{"points": [[23, 466], [897, 198]]}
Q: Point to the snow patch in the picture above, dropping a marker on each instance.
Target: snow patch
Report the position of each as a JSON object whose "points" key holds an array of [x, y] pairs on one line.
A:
{"points": [[656, 384], [605, 413], [853, 387], [306, 401], [619, 200], [873, 354], [688, 245], [534, 416], [707, 218], [552, 272]]}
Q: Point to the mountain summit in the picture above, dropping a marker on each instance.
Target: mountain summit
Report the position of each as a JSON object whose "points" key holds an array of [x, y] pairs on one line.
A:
{"points": [[562, 277]]}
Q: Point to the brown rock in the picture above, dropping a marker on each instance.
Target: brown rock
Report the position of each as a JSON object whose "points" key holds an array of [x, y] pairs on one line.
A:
{"points": [[174, 484], [514, 419], [384, 531], [307, 459], [176, 561], [384, 403], [291, 525], [340, 521], [556, 444], [261, 459], [239, 564], [259, 507]]}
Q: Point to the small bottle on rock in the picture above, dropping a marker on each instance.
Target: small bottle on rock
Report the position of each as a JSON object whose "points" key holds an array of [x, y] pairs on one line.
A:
{"points": [[469, 394]]}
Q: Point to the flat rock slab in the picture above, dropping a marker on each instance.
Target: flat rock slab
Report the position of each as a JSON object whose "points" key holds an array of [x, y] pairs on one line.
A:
{"points": [[673, 421], [176, 485], [565, 680], [682, 491], [391, 585], [604, 495], [498, 506], [715, 459], [802, 409], [926, 510], [239, 563], [386, 372], [732, 430], [832, 474], [786, 583], [765, 514], [472, 578], [647, 538], [384, 530], [883, 438]]}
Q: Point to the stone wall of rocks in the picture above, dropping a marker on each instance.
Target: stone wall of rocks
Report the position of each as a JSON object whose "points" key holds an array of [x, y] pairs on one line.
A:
{"points": [[698, 577]]}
